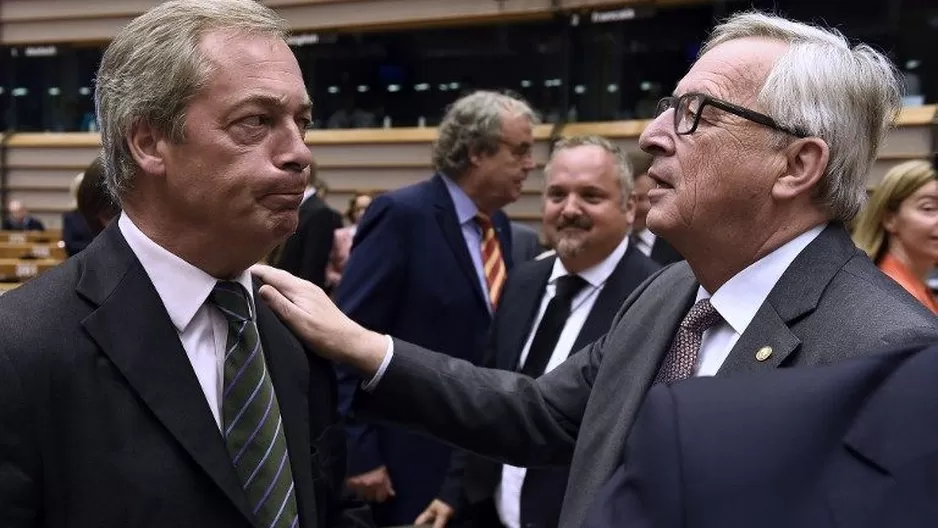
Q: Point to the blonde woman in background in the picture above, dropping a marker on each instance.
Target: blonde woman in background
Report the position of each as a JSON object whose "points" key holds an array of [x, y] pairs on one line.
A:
{"points": [[898, 228], [342, 244]]}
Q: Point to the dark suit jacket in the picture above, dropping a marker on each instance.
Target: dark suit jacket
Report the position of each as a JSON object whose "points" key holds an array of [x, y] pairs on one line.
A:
{"points": [[472, 479], [103, 422], [75, 232], [830, 304], [410, 275], [853, 445], [30, 223], [306, 253], [664, 253], [524, 243]]}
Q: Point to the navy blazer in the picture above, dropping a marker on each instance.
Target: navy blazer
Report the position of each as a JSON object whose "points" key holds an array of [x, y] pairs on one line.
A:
{"points": [[852, 445], [410, 275]]}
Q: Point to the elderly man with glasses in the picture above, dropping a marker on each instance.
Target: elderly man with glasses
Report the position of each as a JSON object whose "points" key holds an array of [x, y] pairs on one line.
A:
{"points": [[760, 161]]}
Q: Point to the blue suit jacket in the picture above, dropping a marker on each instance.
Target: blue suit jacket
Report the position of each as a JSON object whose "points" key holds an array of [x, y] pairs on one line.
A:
{"points": [[410, 275], [852, 445]]}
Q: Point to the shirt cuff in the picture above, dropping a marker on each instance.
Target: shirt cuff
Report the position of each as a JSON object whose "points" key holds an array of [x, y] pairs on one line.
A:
{"points": [[373, 382]]}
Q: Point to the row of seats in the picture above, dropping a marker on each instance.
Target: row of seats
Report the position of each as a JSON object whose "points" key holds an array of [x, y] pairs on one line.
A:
{"points": [[25, 254]]}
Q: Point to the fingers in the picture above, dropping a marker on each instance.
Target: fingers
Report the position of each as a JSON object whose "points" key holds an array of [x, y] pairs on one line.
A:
{"points": [[426, 517], [283, 307], [284, 282], [440, 521]]}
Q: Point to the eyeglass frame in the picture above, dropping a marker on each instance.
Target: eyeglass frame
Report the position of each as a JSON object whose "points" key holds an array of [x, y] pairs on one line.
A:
{"points": [[673, 102]]}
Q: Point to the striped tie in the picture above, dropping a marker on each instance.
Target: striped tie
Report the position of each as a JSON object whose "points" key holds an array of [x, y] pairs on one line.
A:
{"points": [[492, 262], [253, 429]]}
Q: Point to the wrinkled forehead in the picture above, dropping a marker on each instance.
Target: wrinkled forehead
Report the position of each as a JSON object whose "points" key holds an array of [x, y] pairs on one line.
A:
{"points": [[735, 70]]}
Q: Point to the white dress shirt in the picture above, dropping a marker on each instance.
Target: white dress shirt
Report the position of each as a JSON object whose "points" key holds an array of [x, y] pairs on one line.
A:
{"points": [[645, 241], [739, 298], [508, 491], [184, 288]]}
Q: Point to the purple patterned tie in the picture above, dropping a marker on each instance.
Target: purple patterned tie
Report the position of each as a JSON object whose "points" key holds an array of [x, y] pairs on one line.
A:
{"points": [[682, 358]]}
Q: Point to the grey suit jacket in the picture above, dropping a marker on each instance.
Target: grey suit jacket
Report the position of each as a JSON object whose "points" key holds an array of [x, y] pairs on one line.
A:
{"points": [[831, 303]]}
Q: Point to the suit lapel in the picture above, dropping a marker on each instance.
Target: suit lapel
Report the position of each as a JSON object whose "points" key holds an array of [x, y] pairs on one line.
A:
{"points": [[503, 232], [890, 448], [624, 279], [143, 344], [520, 309], [796, 294], [452, 233], [289, 373]]}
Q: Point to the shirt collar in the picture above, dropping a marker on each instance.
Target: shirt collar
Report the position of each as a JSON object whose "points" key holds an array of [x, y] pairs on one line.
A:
{"points": [[740, 298], [466, 209], [647, 237], [595, 275], [182, 287]]}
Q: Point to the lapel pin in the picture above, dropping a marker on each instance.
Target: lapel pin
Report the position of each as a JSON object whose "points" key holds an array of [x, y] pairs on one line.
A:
{"points": [[763, 353]]}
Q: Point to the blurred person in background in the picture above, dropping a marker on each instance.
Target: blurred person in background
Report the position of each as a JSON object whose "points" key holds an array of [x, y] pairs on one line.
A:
{"points": [[19, 218], [95, 205], [343, 236], [430, 262], [306, 253], [898, 227], [647, 242], [75, 232]]}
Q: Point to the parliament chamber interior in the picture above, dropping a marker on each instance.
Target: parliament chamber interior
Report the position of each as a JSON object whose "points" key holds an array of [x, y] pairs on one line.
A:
{"points": [[382, 72]]}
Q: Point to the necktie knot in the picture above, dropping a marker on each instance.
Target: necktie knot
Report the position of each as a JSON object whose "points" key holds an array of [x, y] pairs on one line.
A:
{"points": [[701, 317], [568, 286], [232, 299], [484, 221]]}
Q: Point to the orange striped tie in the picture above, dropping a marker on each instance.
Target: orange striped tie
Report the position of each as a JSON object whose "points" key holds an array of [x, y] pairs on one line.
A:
{"points": [[493, 264]]}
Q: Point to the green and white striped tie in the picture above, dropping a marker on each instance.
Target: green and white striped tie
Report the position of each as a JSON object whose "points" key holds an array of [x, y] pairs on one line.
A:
{"points": [[252, 425]]}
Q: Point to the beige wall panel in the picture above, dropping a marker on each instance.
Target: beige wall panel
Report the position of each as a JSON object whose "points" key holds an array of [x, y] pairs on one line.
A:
{"points": [[363, 155], [66, 158], [907, 140], [57, 179]]}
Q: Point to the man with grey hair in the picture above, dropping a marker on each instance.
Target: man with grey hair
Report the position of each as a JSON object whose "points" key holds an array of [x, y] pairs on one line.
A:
{"points": [[429, 262], [551, 308], [141, 383], [760, 158]]}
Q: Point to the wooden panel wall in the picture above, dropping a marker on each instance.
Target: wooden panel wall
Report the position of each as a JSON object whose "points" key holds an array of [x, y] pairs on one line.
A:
{"points": [[41, 166]]}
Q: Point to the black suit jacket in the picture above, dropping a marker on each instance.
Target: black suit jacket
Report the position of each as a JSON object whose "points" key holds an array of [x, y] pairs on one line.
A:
{"points": [[103, 422], [851, 446], [75, 232], [473, 479], [306, 253], [664, 253]]}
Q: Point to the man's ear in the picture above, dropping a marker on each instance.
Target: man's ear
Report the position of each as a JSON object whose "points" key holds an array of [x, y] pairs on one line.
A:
{"points": [[806, 162], [147, 146]]}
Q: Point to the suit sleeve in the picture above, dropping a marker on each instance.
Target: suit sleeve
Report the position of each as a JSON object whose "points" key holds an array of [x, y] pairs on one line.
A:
{"points": [[19, 460], [645, 491], [369, 294], [502, 415]]}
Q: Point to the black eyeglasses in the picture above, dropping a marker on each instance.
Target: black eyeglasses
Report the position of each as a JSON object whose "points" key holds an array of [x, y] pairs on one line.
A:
{"points": [[689, 107]]}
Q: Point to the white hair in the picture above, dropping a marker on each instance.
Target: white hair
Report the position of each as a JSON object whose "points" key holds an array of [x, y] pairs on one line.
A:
{"points": [[847, 96]]}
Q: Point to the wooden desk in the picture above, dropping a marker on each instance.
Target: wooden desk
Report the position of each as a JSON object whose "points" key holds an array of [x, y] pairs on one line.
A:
{"points": [[7, 286], [13, 250], [23, 237], [12, 270]]}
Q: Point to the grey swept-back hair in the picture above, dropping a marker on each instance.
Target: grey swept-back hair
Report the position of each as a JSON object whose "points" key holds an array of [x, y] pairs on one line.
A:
{"points": [[155, 66], [624, 176], [474, 124], [849, 96]]}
